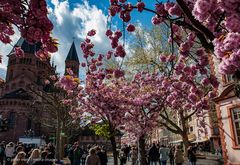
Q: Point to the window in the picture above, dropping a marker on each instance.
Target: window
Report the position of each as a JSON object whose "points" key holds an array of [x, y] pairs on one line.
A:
{"points": [[190, 129], [12, 119], [229, 78], [236, 124], [190, 119]]}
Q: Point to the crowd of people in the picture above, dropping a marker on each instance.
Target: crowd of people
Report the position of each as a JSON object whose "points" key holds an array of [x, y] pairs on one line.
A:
{"points": [[22, 154], [161, 155]]}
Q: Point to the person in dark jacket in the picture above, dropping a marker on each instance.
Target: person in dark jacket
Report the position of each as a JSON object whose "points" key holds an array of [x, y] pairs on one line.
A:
{"points": [[122, 156], [153, 155], [44, 159], [102, 155], [171, 155], [191, 155], [2, 153]]}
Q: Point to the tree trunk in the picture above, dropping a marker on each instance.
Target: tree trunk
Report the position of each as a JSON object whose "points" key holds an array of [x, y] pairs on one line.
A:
{"points": [[61, 146], [142, 152], [184, 133], [114, 150], [58, 138], [186, 142]]}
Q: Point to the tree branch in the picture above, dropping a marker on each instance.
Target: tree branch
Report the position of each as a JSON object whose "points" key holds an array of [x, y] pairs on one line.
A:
{"points": [[169, 128], [207, 33]]}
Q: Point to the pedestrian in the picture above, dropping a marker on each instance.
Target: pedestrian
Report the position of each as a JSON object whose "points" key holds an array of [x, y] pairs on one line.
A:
{"points": [[65, 150], [35, 156], [128, 150], [102, 155], [164, 152], [122, 156], [178, 156], [20, 159], [134, 155], [84, 155], [153, 155], [44, 160], [70, 154], [77, 154], [2, 153], [191, 155], [92, 158], [9, 153], [171, 155]]}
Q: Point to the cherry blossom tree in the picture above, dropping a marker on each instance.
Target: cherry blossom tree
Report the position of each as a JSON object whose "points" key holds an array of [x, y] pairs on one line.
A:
{"points": [[54, 104], [30, 18], [145, 56], [135, 106], [215, 24]]}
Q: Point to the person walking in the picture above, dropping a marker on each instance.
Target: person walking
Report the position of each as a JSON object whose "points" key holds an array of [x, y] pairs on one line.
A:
{"points": [[2, 153], [171, 155], [153, 155], [35, 156], [84, 156], [44, 160], [92, 158], [178, 156], [102, 155], [9, 153], [122, 156], [20, 159], [191, 155], [164, 152], [134, 155]]}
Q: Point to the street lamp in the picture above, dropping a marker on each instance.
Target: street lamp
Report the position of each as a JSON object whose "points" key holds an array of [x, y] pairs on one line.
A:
{"points": [[29, 133]]}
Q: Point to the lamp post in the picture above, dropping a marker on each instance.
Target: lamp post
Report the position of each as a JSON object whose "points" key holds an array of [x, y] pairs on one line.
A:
{"points": [[29, 133]]}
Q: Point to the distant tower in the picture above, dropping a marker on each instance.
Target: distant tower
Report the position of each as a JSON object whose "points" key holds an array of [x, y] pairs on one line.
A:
{"points": [[72, 60], [16, 66]]}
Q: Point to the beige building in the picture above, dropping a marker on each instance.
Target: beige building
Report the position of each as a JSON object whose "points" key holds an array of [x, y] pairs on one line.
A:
{"points": [[228, 110]]}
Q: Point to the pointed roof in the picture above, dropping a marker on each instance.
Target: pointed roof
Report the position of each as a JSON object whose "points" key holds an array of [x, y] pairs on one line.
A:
{"points": [[72, 54], [27, 47]]}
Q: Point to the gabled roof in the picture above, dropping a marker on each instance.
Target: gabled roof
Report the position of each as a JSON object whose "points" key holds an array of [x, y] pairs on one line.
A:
{"points": [[227, 93], [72, 54], [18, 94], [27, 47]]}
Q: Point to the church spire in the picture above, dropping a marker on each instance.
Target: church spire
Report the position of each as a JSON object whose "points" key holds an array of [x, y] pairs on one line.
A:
{"points": [[27, 47], [72, 60], [72, 54]]}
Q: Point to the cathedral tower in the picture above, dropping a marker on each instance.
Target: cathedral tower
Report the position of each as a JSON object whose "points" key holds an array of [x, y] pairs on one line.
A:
{"points": [[72, 60]]}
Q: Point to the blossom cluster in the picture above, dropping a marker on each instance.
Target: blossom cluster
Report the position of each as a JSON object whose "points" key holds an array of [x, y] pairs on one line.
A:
{"points": [[219, 17], [30, 17]]}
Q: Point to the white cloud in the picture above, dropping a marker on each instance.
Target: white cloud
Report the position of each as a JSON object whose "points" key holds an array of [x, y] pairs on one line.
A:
{"points": [[5, 50], [76, 21], [70, 21]]}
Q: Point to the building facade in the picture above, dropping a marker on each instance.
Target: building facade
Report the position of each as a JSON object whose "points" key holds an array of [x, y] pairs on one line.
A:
{"points": [[17, 102], [228, 110]]}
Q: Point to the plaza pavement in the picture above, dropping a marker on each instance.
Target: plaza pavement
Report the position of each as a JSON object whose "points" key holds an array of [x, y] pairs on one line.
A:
{"points": [[209, 160]]}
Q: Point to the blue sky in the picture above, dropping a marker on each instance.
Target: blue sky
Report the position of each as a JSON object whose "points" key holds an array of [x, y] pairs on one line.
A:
{"points": [[74, 18]]}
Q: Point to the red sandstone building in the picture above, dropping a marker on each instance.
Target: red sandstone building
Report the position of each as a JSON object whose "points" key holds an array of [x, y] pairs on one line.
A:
{"points": [[16, 102]]}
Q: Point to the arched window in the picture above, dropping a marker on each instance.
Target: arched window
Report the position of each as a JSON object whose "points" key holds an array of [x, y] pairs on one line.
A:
{"points": [[12, 119]]}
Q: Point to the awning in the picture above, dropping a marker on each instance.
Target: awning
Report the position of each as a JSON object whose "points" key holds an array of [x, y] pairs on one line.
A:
{"points": [[175, 142], [200, 140]]}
